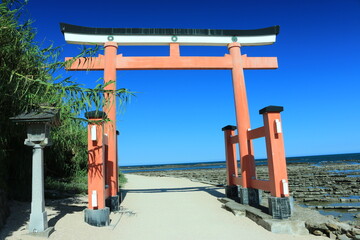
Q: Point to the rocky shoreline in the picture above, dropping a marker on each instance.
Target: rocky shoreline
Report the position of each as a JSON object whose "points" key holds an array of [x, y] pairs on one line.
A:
{"points": [[314, 185], [310, 184]]}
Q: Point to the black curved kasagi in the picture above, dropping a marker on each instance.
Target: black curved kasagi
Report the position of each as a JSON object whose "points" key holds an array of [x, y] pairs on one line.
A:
{"points": [[69, 28]]}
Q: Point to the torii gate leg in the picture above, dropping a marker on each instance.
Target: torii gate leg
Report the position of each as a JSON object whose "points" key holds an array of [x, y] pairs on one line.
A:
{"points": [[110, 127], [246, 193]]}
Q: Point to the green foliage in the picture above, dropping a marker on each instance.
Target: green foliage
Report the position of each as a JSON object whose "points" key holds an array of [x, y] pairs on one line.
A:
{"points": [[29, 80], [122, 179], [76, 184]]}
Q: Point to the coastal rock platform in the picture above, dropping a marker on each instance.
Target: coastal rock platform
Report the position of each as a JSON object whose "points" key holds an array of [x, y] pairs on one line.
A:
{"points": [[324, 187], [302, 222], [330, 182]]}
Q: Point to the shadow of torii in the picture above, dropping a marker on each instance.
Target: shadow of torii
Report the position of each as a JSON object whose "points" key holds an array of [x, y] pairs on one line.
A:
{"points": [[208, 189], [20, 213]]}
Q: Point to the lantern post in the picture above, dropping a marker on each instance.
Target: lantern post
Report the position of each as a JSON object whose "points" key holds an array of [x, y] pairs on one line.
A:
{"points": [[38, 136]]}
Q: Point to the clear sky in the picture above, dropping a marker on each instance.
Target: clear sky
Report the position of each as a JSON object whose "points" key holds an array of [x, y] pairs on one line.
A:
{"points": [[177, 116]]}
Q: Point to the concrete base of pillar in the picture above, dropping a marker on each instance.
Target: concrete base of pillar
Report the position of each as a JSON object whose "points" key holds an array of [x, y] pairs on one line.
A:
{"points": [[98, 217], [232, 192], [44, 234], [244, 195], [280, 207], [120, 197], [113, 203], [250, 196], [38, 222], [255, 196]]}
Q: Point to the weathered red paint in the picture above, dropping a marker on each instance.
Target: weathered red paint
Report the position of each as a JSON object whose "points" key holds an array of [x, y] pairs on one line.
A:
{"points": [[96, 167], [242, 116], [275, 154], [173, 62], [231, 161], [110, 109]]}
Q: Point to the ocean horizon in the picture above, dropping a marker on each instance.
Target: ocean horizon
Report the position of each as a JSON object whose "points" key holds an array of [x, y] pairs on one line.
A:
{"points": [[313, 159]]}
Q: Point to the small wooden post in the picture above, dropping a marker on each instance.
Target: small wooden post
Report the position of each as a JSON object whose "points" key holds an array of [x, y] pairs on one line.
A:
{"points": [[230, 151], [280, 206], [97, 214], [275, 151]]}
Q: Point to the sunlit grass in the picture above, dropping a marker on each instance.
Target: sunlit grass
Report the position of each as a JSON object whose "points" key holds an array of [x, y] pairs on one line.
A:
{"points": [[76, 184]]}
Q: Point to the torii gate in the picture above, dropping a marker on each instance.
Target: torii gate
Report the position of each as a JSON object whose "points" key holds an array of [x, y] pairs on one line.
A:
{"points": [[110, 38]]}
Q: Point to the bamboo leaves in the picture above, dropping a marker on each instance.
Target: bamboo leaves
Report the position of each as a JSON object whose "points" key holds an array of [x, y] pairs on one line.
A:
{"points": [[30, 78]]}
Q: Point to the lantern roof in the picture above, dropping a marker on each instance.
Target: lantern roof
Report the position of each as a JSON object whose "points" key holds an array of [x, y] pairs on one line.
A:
{"points": [[37, 116]]}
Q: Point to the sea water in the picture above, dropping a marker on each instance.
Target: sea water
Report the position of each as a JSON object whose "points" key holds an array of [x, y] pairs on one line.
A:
{"points": [[318, 160]]}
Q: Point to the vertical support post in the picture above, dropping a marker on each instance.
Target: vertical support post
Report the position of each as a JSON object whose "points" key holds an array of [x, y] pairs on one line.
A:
{"points": [[117, 160], [96, 171], [279, 202], [231, 162], [275, 150], [242, 117], [97, 214], [38, 217], [110, 127], [174, 50], [231, 188]]}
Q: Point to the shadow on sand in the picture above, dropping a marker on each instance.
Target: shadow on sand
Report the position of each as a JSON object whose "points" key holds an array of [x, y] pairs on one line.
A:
{"points": [[211, 190], [56, 209], [63, 207]]}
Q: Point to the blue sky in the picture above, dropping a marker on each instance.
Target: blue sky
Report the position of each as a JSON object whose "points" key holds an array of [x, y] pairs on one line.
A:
{"points": [[177, 116]]}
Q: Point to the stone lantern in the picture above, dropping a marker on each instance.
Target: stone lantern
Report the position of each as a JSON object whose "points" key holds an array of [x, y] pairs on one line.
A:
{"points": [[38, 136]]}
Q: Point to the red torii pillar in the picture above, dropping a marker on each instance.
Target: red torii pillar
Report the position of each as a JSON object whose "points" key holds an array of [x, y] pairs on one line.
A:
{"points": [[110, 127], [108, 64], [242, 117], [97, 214]]}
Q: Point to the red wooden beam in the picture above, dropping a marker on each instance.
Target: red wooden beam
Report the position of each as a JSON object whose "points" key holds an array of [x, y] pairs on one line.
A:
{"points": [[260, 184], [237, 180], [174, 62], [256, 133], [234, 139], [259, 62]]}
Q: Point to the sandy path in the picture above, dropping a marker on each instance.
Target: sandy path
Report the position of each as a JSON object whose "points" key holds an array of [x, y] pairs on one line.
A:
{"points": [[164, 208]]}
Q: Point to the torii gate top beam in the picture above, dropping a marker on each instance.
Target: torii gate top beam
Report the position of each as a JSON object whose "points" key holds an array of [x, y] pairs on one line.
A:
{"points": [[156, 36]]}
